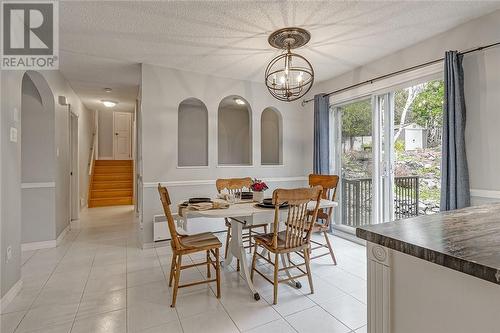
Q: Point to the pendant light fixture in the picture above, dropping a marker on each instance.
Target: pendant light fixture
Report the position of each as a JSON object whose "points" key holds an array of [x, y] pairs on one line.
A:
{"points": [[289, 76]]}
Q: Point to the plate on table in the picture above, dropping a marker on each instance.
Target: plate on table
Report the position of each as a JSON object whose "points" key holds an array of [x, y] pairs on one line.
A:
{"points": [[199, 200], [268, 203], [246, 195]]}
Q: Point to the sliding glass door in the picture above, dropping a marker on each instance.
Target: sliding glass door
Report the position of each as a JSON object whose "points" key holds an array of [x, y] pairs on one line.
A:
{"points": [[387, 153], [354, 156]]}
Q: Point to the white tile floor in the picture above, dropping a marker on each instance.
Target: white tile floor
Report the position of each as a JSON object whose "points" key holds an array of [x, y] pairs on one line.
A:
{"points": [[99, 281]]}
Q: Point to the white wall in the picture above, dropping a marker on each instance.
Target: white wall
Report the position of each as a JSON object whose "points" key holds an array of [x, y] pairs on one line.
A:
{"points": [[105, 136], [86, 127], [10, 228], [482, 88], [162, 90]]}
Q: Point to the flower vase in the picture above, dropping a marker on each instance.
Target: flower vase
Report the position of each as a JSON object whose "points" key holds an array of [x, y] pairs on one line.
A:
{"points": [[258, 196]]}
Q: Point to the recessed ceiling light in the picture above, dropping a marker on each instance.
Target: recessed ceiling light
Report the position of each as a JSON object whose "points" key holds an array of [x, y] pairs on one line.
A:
{"points": [[239, 101], [108, 104], [108, 90]]}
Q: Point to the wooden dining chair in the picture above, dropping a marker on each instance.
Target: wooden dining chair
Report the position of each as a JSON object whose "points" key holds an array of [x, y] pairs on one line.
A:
{"points": [[233, 186], [183, 245], [294, 238], [324, 217]]}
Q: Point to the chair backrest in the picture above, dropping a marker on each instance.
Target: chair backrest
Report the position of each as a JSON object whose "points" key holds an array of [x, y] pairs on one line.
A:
{"points": [[328, 182], [233, 185], [298, 222], [165, 201]]}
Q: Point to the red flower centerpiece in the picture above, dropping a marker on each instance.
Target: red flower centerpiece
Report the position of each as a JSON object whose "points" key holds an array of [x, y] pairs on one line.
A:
{"points": [[258, 187]]}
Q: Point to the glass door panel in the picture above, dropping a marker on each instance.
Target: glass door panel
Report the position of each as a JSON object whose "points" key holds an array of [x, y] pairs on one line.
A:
{"points": [[355, 156]]}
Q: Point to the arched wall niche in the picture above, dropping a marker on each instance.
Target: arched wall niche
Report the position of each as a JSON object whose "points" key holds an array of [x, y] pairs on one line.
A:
{"points": [[38, 160], [37, 129], [234, 131], [192, 143], [271, 137]]}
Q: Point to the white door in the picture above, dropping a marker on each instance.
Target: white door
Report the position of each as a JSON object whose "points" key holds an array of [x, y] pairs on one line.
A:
{"points": [[122, 139]]}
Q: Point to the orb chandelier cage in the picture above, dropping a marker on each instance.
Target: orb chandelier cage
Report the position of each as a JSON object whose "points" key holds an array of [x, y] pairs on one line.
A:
{"points": [[289, 76]]}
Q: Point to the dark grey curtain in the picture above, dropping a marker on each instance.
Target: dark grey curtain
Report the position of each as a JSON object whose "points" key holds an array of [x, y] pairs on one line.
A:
{"points": [[321, 163], [455, 192]]}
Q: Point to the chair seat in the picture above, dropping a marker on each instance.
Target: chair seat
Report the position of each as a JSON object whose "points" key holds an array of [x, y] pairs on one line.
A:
{"points": [[318, 227], [203, 240], [266, 240]]}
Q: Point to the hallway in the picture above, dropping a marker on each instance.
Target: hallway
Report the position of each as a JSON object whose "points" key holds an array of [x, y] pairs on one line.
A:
{"points": [[99, 281]]}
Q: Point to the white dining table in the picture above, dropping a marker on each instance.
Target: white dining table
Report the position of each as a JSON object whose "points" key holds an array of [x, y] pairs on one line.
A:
{"points": [[240, 215]]}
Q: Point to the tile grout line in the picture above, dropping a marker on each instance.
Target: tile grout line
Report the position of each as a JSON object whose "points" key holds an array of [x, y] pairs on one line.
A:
{"points": [[215, 295], [165, 278], [43, 286], [83, 292]]}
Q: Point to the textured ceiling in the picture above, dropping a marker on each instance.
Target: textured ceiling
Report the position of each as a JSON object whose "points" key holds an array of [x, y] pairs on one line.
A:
{"points": [[103, 42]]}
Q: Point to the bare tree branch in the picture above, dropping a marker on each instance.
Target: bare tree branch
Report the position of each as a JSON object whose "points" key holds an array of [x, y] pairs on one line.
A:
{"points": [[412, 94]]}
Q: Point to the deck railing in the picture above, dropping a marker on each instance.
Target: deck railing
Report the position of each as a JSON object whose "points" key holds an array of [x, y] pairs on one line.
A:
{"points": [[357, 197]]}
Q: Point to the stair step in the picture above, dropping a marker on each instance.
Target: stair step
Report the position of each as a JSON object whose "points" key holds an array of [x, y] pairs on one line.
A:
{"points": [[102, 202], [103, 185], [110, 193], [113, 162], [114, 176], [106, 169]]}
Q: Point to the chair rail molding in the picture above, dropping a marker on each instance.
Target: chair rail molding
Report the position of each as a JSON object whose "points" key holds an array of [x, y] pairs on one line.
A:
{"points": [[212, 181], [38, 185], [485, 193], [379, 287]]}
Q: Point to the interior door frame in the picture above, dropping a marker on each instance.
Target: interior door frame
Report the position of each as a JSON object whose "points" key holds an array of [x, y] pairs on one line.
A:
{"points": [[130, 134], [73, 165]]}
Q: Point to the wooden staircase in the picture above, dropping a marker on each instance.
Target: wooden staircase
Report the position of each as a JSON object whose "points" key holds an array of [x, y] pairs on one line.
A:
{"points": [[111, 184]]}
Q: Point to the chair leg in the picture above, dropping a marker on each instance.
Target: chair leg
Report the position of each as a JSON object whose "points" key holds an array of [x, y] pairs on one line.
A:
{"points": [[254, 260], [238, 265], [268, 254], [177, 278], [228, 237], [217, 271], [330, 248], [308, 269], [250, 239], [172, 267], [208, 264], [276, 267]]}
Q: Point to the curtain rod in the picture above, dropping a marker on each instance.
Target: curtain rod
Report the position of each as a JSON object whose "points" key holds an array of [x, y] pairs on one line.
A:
{"points": [[408, 69]]}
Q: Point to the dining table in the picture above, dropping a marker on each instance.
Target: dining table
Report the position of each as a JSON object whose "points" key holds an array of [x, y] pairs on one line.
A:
{"points": [[239, 215]]}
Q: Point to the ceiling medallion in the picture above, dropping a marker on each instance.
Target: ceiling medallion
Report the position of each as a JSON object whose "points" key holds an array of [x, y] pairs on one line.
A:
{"points": [[289, 76]]}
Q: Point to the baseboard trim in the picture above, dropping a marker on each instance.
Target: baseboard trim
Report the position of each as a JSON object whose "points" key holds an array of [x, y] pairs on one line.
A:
{"points": [[212, 181], [485, 193], [9, 296], [63, 234], [46, 244], [38, 245]]}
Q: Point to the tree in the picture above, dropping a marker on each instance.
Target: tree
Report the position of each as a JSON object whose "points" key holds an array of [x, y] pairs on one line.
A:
{"points": [[356, 120], [411, 95], [427, 111]]}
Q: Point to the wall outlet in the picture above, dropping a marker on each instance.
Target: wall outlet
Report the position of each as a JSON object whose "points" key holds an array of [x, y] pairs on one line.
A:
{"points": [[9, 253], [13, 134]]}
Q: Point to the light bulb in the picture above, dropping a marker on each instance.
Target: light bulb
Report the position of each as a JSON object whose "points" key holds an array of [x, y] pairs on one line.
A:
{"points": [[282, 80]]}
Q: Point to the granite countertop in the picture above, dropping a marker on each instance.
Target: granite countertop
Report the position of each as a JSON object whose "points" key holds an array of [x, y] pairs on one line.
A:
{"points": [[466, 240]]}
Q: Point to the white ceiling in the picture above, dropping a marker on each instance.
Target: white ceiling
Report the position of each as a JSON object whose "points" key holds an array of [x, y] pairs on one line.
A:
{"points": [[103, 42]]}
